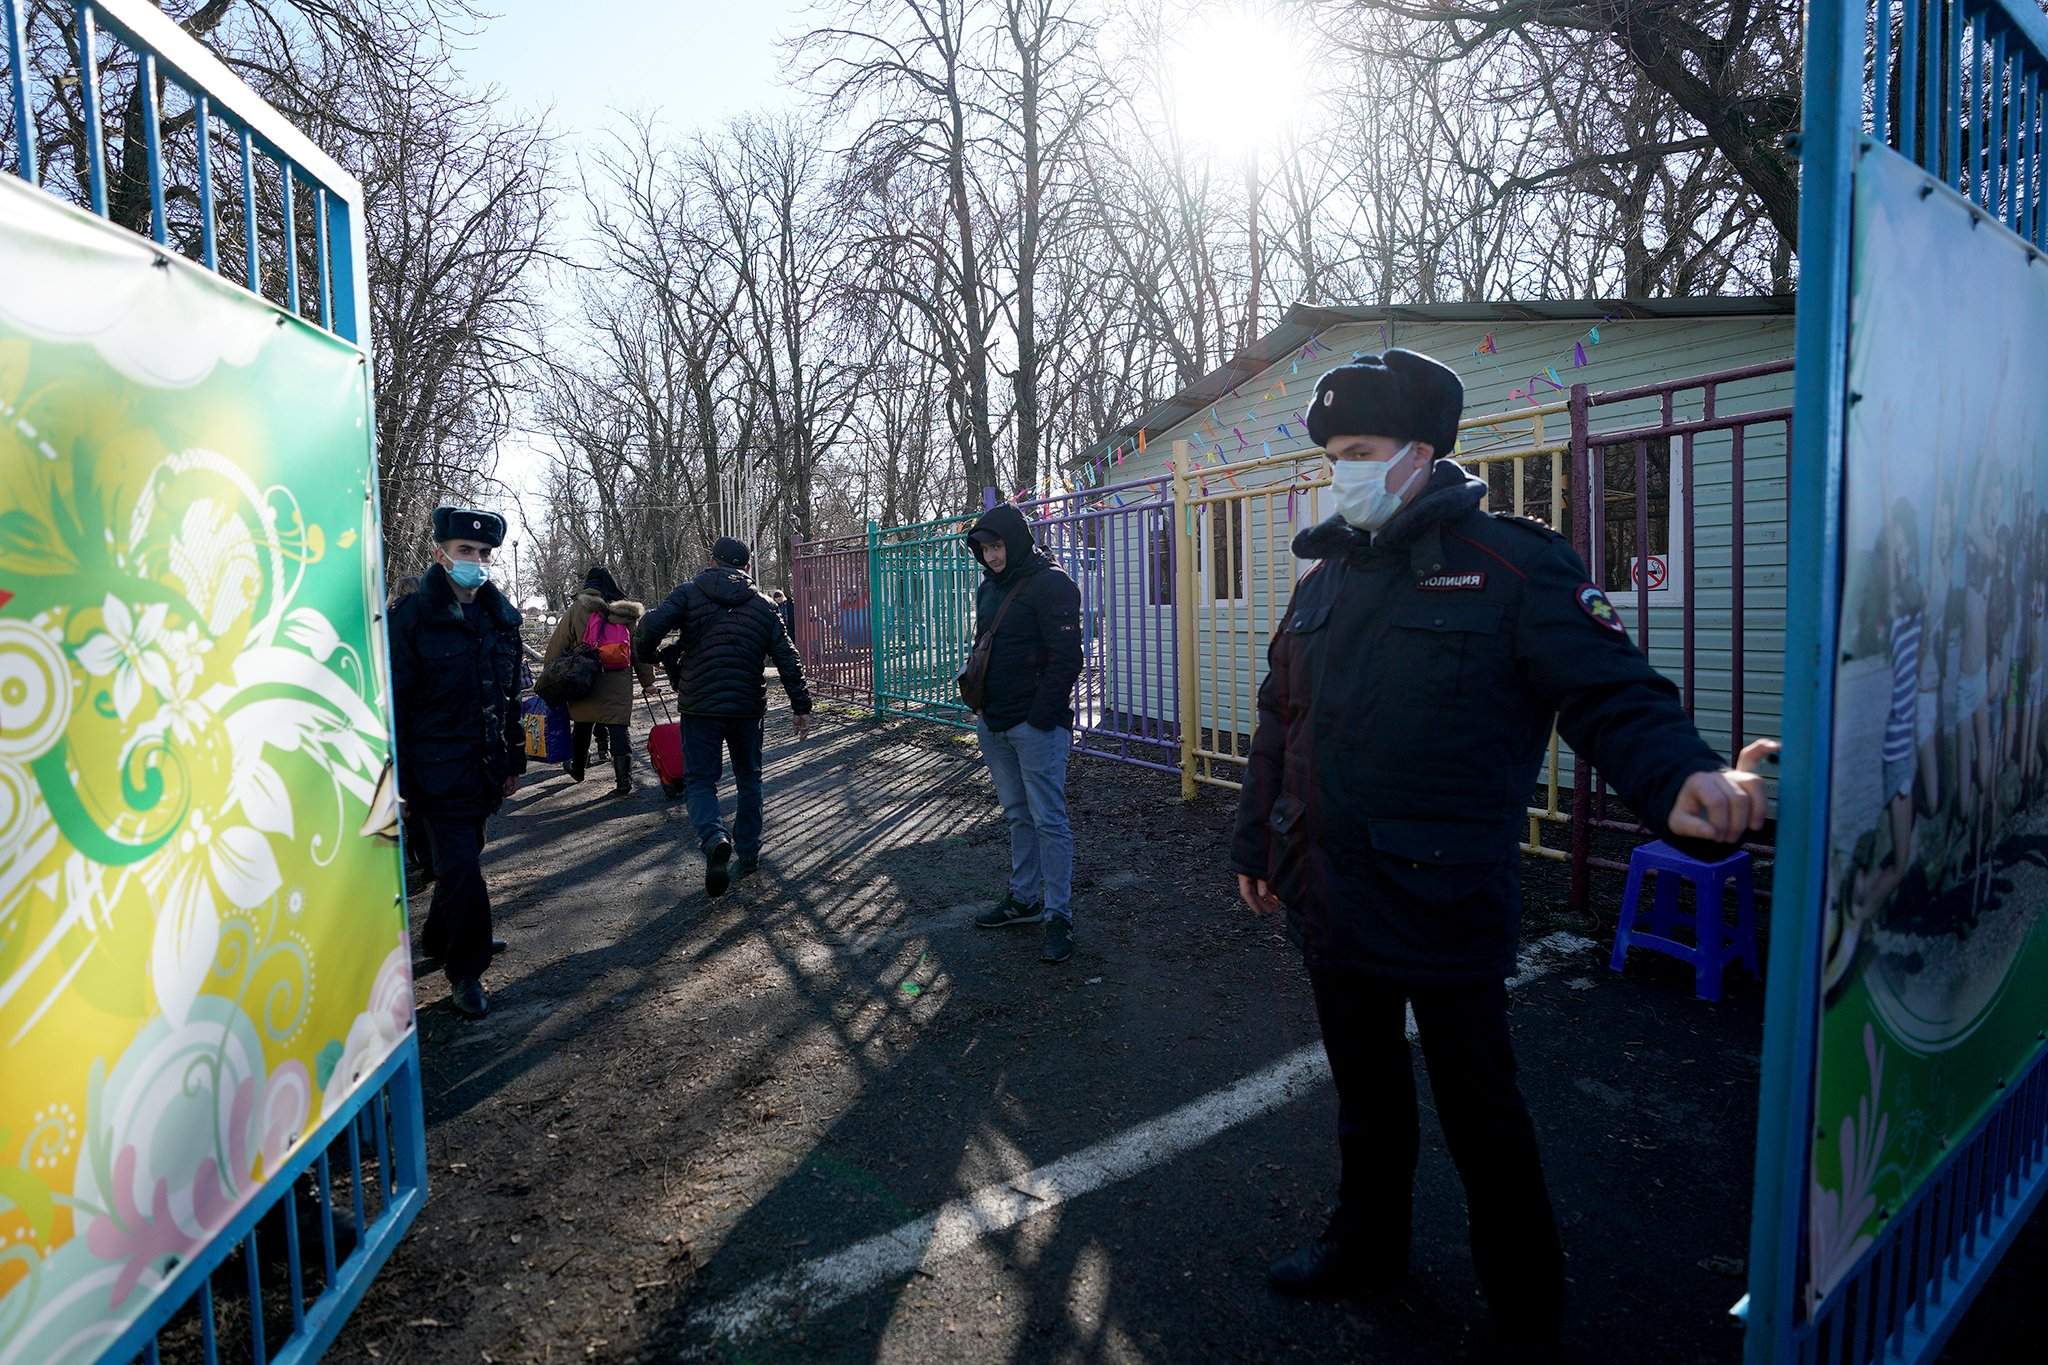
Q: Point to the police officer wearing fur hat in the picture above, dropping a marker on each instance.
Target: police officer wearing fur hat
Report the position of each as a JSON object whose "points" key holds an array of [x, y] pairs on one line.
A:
{"points": [[461, 748], [1401, 730]]}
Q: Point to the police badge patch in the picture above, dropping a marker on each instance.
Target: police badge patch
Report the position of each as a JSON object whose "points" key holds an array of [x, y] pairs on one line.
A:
{"points": [[1594, 603]]}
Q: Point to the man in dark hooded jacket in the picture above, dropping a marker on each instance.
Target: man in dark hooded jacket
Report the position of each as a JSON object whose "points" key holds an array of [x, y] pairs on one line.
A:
{"points": [[727, 630], [1402, 724], [461, 743], [1026, 724]]}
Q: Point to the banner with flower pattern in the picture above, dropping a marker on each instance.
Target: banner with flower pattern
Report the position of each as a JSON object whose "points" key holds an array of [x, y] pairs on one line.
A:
{"points": [[202, 947]]}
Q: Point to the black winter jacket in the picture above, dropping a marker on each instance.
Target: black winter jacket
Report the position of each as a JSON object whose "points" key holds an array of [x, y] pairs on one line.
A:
{"points": [[1403, 723], [455, 696], [727, 629], [1037, 656]]}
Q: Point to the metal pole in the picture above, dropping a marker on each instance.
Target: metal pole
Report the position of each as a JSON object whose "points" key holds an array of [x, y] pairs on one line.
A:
{"points": [[1184, 620], [1581, 492]]}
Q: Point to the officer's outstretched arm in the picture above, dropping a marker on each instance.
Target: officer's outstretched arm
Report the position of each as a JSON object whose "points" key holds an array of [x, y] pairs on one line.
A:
{"points": [[1574, 650]]}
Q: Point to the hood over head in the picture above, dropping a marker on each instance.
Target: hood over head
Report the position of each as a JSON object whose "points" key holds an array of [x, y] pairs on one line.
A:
{"points": [[1008, 522]]}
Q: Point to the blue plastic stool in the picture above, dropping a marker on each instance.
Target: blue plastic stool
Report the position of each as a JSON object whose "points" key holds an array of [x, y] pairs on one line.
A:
{"points": [[1714, 944]]}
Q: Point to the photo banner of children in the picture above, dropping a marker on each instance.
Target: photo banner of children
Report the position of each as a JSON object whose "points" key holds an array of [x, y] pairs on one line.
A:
{"points": [[1934, 961]]}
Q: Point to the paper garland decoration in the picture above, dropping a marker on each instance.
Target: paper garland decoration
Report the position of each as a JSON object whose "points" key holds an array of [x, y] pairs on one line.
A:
{"points": [[1488, 346]]}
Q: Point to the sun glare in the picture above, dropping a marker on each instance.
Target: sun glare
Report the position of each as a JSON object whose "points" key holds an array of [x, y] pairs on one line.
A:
{"points": [[1236, 78]]}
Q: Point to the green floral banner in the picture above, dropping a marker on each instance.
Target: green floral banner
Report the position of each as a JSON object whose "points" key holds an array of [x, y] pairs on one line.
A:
{"points": [[202, 946]]}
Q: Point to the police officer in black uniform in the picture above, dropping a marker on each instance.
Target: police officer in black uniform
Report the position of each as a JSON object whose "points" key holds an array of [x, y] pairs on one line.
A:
{"points": [[461, 746], [1401, 731]]}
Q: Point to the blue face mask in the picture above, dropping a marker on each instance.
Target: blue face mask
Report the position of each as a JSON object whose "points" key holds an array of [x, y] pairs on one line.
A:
{"points": [[468, 574]]}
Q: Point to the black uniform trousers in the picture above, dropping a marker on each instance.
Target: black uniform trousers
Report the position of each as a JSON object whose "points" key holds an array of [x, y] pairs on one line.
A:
{"points": [[1465, 1044], [458, 927]]}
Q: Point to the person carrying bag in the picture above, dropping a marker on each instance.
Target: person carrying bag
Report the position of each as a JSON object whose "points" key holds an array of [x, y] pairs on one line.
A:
{"points": [[594, 638]]}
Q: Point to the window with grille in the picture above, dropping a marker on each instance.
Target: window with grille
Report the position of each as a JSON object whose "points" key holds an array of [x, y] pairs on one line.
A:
{"points": [[1625, 564], [1223, 534], [1159, 563]]}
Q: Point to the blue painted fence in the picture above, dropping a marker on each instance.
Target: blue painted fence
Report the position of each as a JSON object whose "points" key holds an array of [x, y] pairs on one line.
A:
{"points": [[282, 1278], [1955, 86]]}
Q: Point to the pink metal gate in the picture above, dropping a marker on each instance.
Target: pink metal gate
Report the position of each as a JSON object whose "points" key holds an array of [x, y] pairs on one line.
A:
{"points": [[828, 582]]}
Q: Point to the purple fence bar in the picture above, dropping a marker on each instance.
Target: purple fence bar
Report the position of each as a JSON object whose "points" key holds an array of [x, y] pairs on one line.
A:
{"points": [[828, 582], [1117, 544], [1592, 517]]}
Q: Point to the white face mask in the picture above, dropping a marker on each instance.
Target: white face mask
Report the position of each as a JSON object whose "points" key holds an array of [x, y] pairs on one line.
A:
{"points": [[1363, 498]]}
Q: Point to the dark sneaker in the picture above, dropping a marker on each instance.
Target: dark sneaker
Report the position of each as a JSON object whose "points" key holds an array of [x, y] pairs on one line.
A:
{"points": [[718, 868], [1007, 911], [1329, 1267], [498, 945], [468, 998], [1059, 939], [745, 868]]}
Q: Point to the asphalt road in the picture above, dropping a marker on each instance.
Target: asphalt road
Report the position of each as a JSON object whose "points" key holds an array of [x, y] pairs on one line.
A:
{"points": [[826, 1119]]}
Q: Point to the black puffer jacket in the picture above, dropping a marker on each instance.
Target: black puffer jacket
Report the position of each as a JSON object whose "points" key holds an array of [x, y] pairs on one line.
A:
{"points": [[726, 630], [455, 695], [1037, 656], [1403, 723]]}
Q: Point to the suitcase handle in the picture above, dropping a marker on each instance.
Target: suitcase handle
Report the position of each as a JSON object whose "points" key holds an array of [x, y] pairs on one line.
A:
{"points": [[650, 695]]}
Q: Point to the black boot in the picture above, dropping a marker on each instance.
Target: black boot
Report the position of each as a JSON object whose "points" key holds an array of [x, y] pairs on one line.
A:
{"points": [[718, 866], [622, 768], [1333, 1265]]}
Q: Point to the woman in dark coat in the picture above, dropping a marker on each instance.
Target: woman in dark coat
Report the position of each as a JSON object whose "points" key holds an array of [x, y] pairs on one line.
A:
{"points": [[609, 707]]}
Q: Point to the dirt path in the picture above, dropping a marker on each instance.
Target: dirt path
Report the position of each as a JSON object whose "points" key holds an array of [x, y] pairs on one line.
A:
{"points": [[676, 1101]]}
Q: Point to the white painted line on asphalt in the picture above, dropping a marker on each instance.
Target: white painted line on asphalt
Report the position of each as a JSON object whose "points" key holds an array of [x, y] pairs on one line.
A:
{"points": [[822, 1284]]}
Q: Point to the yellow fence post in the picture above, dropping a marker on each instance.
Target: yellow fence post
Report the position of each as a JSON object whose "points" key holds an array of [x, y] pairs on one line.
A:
{"points": [[1185, 581]]}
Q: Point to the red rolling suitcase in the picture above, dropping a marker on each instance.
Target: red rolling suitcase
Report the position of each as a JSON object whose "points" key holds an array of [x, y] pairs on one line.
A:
{"points": [[665, 752]]}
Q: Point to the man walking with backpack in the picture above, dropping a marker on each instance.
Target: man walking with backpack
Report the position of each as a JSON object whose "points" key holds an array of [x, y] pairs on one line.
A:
{"points": [[1028, 615], [727, 632]]}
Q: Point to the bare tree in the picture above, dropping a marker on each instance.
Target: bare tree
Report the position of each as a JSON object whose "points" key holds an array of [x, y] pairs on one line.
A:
{"points": [[917, 186], [1730, 68], [458, 205]]}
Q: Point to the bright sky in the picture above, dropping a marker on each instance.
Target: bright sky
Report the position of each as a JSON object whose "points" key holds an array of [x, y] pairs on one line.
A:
{"points": [[697, 63], [694, 64]]}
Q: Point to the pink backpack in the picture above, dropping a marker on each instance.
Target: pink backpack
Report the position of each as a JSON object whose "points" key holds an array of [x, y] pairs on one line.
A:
{"points": [[612, 642]]}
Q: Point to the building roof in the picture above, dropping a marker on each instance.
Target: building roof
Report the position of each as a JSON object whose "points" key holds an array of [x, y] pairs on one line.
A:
{"points": [[1303, 322]]}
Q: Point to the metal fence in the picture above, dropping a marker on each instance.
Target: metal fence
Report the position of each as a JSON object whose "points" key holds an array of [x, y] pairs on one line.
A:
{"points": [[1118, 545], [1183, 577], [290, 227], [292, 232], [1690, 413], [829, 587], [924, 579]]}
